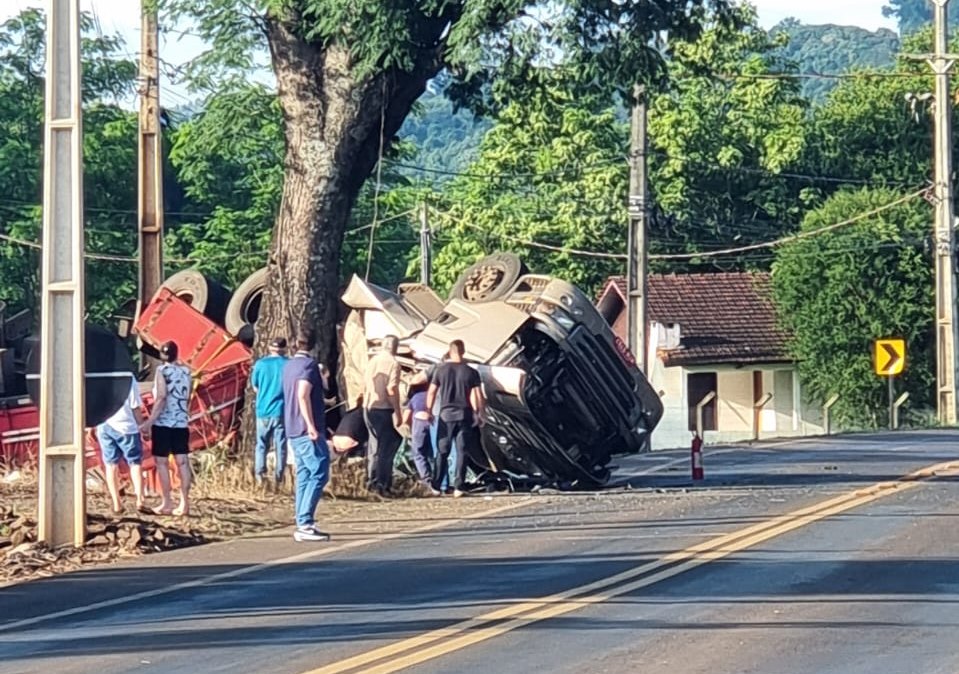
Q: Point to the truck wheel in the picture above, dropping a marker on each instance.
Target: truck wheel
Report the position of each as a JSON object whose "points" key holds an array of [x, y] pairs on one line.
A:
{"points": [[244, 307], [489, 279], [202, 293]]}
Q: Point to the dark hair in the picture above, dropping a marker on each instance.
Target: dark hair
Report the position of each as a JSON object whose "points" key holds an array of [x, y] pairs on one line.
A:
{"points": [[278, 343], [306, 339], [458, 347], [169, 352]]}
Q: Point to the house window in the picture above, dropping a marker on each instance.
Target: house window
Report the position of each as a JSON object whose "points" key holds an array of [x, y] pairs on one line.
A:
{"points": [[698, 385]]}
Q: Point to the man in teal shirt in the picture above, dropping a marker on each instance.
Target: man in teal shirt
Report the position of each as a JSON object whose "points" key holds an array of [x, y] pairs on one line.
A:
{"points": [[267, 380]]}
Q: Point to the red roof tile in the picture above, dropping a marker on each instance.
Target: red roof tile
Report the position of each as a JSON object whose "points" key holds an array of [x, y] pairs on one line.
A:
{"points": [[723, 317]]}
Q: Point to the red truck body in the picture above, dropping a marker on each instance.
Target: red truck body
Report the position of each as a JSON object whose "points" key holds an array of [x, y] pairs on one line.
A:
{"points": [[221, 368]]}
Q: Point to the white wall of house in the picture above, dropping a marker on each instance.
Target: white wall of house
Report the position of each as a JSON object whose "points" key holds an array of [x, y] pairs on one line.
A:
{"points": [[786, 414]]}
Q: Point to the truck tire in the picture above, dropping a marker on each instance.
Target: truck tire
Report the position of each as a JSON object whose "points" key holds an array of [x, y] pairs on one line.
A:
{"points": [[244, 307], [489, 279], [202, 293]]}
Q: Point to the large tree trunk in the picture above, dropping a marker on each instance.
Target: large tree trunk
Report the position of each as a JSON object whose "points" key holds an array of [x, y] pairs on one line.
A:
{"points": [[336, 125]]}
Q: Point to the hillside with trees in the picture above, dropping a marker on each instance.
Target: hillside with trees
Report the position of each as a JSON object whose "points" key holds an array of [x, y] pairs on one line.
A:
{"points": [[822, 51]]}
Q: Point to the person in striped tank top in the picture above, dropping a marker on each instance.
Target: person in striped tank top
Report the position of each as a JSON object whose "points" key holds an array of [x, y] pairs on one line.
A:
{"points": [[170, 420]]}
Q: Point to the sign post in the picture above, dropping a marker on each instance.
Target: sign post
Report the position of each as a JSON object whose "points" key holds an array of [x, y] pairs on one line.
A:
{"points": [[889, 360]]}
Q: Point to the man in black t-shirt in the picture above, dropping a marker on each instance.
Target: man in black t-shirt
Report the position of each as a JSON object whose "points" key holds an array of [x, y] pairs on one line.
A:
{"points": [[461, 413]]}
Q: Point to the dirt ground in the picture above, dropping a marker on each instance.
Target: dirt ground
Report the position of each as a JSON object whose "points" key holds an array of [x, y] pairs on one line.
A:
{"points": [[225, 505]]}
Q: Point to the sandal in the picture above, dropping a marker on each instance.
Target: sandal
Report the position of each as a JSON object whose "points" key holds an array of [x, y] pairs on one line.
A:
{"points": [[143, 510], [157, 511]]}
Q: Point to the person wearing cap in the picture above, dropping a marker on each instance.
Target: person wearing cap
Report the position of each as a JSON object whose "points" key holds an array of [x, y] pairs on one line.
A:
{"points": [[267, 380], [169, 423]]}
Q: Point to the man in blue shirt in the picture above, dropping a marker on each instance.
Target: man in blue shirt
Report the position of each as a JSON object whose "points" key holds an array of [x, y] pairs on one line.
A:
{"points": [[267, 380], [304, 415]]}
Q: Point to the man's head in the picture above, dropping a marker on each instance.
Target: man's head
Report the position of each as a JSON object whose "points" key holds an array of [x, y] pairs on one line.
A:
{"points": [[457, 349], [305, 339], [169, 352], [278, 346], [391, 344]]}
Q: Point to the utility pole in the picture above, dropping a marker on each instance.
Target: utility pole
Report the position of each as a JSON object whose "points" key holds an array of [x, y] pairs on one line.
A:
{"points": [[150, 206], [426, 244], [946, 325], [62, 493], [637, 272]]}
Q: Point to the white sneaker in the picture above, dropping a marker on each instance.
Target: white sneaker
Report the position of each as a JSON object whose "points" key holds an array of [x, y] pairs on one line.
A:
{"points": [[458, 494], [309, 533]]}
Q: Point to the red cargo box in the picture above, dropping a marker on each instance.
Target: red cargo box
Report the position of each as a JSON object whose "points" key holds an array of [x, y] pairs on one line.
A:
{"points": [[204, 346]]}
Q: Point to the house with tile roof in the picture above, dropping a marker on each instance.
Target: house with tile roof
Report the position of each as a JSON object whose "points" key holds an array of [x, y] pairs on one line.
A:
{"points": [[716, 333]]}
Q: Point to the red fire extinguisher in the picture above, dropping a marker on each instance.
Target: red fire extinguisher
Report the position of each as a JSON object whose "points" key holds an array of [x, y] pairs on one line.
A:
{"points": [[696, 458]]}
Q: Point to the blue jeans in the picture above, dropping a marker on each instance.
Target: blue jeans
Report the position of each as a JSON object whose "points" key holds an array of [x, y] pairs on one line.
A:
{"points": [[269, 428], [312, 474], [448, 479]]}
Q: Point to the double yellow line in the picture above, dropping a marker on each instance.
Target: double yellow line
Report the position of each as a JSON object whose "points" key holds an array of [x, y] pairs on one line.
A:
{"points": [[435, 643]]}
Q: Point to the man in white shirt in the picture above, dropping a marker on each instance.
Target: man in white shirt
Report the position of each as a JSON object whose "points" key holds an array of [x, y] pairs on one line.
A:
{"points": [[119, 438]]}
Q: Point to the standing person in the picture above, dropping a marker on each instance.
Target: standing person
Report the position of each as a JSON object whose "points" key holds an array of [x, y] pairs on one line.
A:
{"points": [[304, 417], [119, 438], [170, 420], [267, 380], [425, 377], [417, 416], [461, 411], [382, 407]]}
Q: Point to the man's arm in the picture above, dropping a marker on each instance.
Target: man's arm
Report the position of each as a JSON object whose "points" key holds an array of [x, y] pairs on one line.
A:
{"points": [[393, 391], [431, 399], [303, 390], [158, 402], [478, 403]]}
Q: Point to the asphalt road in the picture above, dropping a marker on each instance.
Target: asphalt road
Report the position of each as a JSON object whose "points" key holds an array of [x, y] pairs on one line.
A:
{"points": [[816, 556]]}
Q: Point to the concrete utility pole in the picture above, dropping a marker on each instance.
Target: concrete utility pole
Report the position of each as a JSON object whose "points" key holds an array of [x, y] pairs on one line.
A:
{"points": [[946, 325], [62, 497], [150, 207], [636, 273], [426, 244]]}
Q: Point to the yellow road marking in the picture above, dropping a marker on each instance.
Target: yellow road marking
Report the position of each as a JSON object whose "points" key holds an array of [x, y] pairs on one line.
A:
{"points": [[435, 643]]}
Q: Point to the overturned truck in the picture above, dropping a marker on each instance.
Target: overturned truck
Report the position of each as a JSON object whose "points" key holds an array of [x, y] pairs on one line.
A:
{"points": [[564, 394]]}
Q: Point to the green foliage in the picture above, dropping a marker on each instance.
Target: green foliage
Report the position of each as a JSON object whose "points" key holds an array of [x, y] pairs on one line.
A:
{"points": [[109, 148], [868, 130], [913, 15], [719, 144], [830, 49], [443, 138], [838, 291], [547, 172], [229, 161]]}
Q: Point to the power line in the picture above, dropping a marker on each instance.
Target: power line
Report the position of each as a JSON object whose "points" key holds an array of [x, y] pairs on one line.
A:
{"points": [[792, 237]]}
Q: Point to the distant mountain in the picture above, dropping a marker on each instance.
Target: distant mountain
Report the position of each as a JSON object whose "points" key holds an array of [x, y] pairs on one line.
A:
{"points": [[830, 49], [914, 14], [446, 141]]}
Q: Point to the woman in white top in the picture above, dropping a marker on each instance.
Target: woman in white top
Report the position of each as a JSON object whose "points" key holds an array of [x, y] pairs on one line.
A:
{"points": [[170, 421]]}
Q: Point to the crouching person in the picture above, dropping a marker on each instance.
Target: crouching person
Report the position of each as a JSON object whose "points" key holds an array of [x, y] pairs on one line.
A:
{"points": [[119, 438], [304, 418]]}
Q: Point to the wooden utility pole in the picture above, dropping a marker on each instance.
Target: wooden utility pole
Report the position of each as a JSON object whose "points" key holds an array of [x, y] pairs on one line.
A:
{"points": [[150, 207], [637, 272], [946, 325], [62, 496], [426, 244]]}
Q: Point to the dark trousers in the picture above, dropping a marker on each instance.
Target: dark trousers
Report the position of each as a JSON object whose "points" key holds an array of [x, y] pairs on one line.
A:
{"points": [[382, 446], [466, 437]]}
